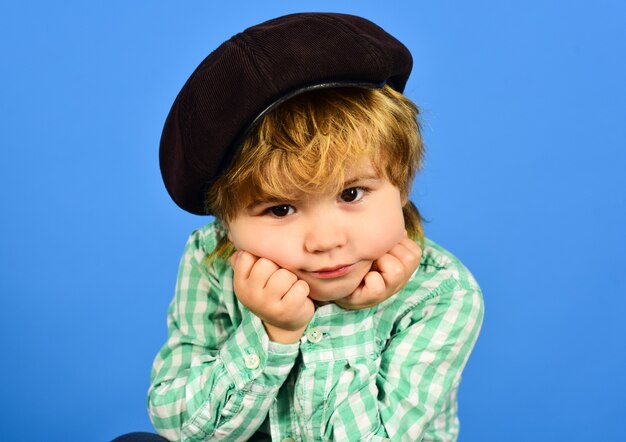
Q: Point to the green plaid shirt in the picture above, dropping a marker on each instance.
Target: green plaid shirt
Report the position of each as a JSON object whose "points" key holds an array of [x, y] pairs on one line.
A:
{"points": [[389, 372]]}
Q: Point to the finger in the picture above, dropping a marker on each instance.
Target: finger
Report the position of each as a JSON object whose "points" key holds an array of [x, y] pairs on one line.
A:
{"points": [[374, 287], [242, 263], [391, 269], [408, 252], [261, 271], [296, 296], [280, 282], [370, 292], [407, 244]]}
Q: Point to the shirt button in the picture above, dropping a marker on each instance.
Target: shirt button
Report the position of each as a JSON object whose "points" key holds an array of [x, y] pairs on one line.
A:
{"points": [[252, 361], [314, 335]]}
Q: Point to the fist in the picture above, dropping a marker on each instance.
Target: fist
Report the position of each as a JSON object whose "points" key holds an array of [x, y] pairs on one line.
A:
{"points": [[271, 292], [388, 275]]}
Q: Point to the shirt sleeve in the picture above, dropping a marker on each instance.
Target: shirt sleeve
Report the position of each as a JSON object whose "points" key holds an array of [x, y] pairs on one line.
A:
{"points": [[421, 366], [218, 374]]}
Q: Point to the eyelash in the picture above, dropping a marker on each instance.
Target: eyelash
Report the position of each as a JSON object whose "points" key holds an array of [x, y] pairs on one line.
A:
{"points": [[363, 191], [290, 209], [271, 210]]}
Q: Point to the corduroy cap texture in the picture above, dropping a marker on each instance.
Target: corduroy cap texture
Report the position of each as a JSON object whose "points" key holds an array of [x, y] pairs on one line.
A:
{"points": [[254, 71]]}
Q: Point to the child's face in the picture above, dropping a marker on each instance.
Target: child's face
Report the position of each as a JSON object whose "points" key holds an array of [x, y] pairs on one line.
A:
{"points": [[330, 241]]}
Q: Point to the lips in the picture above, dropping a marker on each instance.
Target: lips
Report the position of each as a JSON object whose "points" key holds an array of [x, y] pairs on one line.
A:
{"points": [[333, 272]]}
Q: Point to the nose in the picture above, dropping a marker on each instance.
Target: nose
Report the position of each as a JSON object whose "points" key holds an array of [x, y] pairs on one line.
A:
{"points": [[324, 233]]}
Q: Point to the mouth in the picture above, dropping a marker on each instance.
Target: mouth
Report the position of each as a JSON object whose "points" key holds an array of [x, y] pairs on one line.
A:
{"points": [[333, 272]]}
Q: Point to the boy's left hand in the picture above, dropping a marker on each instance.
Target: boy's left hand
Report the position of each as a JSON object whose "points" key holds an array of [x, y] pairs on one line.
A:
{"points": [[388, 275]]}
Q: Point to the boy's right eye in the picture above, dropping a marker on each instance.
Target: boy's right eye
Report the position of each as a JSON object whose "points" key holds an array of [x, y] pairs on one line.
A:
{"points": [[281, 210]]}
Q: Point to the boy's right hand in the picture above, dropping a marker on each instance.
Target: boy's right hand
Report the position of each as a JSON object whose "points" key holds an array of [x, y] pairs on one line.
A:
{"points": [[274, 294]]}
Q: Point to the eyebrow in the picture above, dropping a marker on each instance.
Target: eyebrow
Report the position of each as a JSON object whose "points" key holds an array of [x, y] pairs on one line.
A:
{"points": [[366, 177]]}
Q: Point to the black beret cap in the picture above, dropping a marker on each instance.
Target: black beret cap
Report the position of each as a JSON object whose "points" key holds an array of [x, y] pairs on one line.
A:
{"points": [[253, 72]]}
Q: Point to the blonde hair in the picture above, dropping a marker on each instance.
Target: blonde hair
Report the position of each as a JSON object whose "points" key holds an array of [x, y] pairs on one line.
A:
{"points": [[305, 144]]}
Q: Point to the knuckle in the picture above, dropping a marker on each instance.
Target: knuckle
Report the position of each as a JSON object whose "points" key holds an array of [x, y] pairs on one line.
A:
{"points": [[266, 263], [415, 250], [300, 287], [410, 259], [395, 270], [286, 276], [244, 259]]}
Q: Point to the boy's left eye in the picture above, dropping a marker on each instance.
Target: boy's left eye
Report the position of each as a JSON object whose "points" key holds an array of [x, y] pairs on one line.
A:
{"points": [[352, 194]]}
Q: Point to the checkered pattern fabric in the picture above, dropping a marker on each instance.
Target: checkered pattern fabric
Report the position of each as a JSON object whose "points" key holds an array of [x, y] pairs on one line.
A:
{"points": [[389, 372]]}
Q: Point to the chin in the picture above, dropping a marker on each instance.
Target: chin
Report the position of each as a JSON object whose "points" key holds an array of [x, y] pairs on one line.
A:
{"points": [[332, 295], [326, 298]]}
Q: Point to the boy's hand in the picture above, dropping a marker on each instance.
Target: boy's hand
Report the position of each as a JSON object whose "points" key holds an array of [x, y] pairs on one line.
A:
{"points": [[388, 275], [274, 294]]}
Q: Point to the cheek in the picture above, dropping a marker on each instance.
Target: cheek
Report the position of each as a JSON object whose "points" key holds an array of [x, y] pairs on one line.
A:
{"points": [[265, 243], [383, 232]]}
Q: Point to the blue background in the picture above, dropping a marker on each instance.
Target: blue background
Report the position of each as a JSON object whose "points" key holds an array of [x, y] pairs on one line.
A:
{"points": [[523, 106]]}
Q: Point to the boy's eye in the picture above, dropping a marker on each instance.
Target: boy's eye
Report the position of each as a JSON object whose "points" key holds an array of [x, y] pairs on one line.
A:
{"points": [[281, 210], [352, 194]]}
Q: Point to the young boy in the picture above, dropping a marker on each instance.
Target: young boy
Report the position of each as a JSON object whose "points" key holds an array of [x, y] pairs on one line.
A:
{"points": [[312, 308]]}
